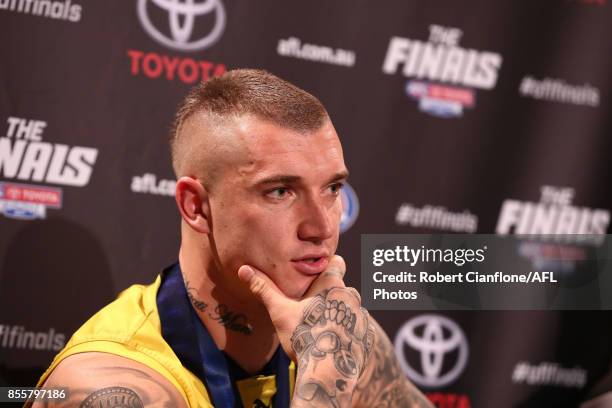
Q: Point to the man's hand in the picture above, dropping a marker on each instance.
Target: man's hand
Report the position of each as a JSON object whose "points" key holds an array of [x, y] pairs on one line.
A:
{"points": [[327, 333], [344, 358]]}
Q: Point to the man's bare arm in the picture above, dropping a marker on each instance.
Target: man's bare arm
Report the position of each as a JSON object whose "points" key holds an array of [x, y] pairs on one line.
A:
{"points": [[106, 380], [383, 384]]}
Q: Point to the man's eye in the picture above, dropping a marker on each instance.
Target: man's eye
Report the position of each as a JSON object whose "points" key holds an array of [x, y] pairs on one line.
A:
{"points": [[336, 187], [280, 192]]}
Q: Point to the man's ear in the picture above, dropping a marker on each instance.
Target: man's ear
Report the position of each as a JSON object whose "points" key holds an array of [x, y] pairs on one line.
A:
{"points": [[192, 201]]}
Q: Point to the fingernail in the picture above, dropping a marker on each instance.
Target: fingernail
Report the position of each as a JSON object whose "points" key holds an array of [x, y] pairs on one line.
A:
{"points": [[245, 273]]}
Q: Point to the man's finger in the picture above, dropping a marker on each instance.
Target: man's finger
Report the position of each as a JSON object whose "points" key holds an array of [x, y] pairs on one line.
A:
{"points": [[262, 287], [330, 278]]}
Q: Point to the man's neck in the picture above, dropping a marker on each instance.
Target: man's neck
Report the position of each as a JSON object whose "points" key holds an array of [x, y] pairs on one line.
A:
{"points": [[238, 324]]}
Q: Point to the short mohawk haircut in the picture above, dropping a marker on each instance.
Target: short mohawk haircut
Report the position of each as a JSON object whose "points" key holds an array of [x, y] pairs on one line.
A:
{"points": [[249, 92]]}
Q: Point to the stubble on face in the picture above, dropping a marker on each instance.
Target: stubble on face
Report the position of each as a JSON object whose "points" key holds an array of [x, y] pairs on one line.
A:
{"points": [[248, 227]]}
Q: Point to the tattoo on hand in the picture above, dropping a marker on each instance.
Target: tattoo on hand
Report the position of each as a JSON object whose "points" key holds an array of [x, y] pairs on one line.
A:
{"points": [[331, 334], [113, 397], [316, 395]]}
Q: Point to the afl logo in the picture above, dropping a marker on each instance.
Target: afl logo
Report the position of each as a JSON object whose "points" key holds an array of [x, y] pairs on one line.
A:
{"points": [[350, 207], [177, 30]]}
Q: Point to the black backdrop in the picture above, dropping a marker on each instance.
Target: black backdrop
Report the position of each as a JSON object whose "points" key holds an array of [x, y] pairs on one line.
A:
{"points": [[476, 117]]}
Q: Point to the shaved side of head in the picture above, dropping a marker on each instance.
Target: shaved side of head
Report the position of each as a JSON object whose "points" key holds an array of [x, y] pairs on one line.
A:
{"points": [[203, 138], [205, 145]]}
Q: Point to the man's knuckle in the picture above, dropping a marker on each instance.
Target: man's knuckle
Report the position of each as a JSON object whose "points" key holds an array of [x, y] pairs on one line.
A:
{"points": [[258, 287], [355, 293], [335, 273]]}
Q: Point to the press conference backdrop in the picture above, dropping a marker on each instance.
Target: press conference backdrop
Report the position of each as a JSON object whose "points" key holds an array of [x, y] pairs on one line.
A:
{"points": [[456, 117]]}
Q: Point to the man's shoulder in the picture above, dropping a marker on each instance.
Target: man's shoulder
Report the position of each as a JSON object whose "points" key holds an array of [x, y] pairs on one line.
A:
{"points": [[110, 349], [123, 316], [96, 379]]}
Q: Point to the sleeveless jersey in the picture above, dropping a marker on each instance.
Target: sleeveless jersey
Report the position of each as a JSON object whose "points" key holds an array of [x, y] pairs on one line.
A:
{"points": [[130, 327]]}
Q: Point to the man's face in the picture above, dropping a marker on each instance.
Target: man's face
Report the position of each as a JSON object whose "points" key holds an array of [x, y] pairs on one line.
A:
{"points": [[276, 204]]}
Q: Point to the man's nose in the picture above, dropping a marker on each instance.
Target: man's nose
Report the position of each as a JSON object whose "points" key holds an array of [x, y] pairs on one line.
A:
{"points": [[317, 223]]}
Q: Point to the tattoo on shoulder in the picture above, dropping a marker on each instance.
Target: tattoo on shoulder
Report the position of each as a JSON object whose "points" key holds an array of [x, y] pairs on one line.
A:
{"points": [[113, 397]]}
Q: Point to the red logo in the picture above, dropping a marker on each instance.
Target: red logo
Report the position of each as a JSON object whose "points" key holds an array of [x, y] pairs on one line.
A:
{"points": [[449, 400], [184, 69], [51, 197]]}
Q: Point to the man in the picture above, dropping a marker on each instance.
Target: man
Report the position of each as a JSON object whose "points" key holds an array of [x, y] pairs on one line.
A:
{"points": [[259, 168]]}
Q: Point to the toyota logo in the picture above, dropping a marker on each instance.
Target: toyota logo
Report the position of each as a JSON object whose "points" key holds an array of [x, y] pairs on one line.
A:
{"points": [[442, 347], [181, 20]]}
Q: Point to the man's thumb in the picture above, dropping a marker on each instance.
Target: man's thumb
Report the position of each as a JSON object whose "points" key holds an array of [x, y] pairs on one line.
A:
{"points": [[261, 287]]}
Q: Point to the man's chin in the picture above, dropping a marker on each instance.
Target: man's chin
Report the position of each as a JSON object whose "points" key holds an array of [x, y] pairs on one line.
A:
{"points": [[294, 293], [295, 290]]}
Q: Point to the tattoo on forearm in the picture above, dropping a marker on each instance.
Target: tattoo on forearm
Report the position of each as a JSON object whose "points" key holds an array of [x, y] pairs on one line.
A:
{"points": [[197, 303], [384, 385], [232, 320], [331, 334], [113, 397]]}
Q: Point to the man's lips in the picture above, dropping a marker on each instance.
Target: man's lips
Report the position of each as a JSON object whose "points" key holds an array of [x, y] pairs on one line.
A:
{"points": [[311, 265]]}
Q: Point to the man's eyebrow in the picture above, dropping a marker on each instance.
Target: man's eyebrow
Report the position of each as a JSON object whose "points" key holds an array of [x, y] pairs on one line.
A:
{"points": [[343, 175], [278, 179], [287, 179]]}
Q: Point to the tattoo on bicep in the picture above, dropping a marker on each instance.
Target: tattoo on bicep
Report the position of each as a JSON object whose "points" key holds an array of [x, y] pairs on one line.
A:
{"points": [[168, 394], [113, 397], [331, 334], [148, 389]]}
